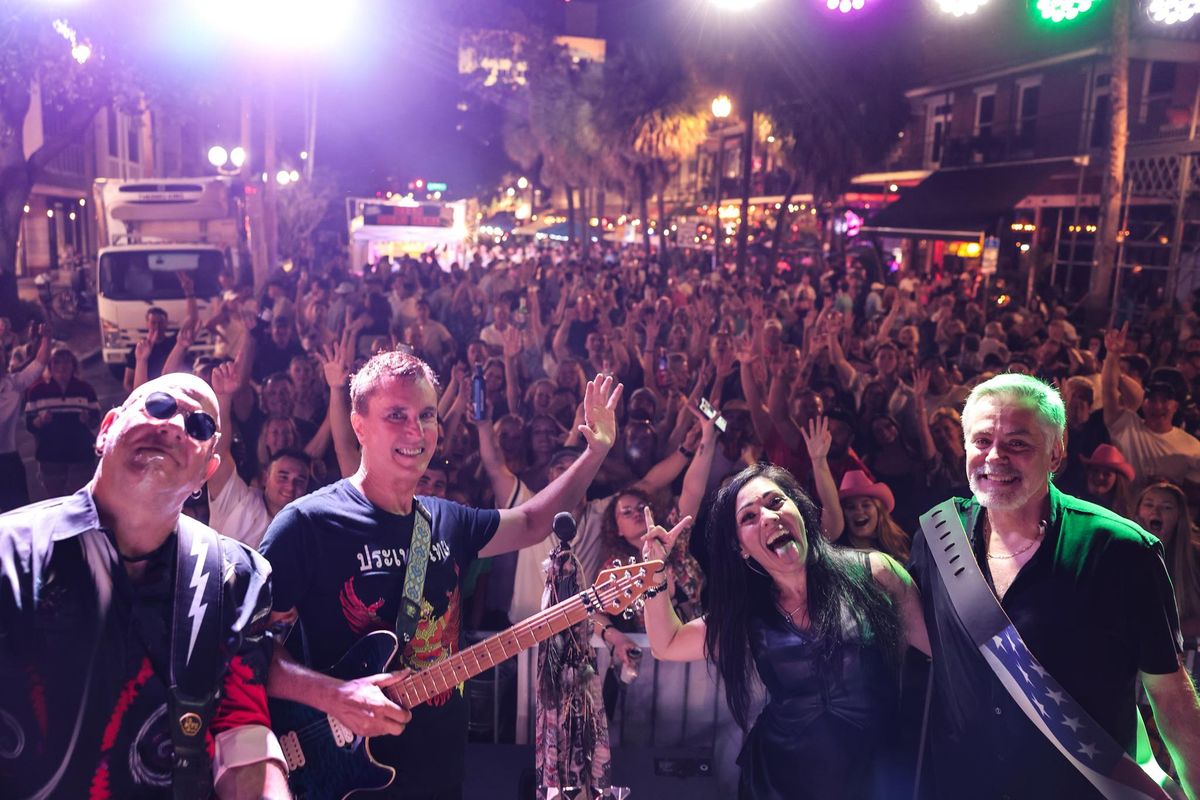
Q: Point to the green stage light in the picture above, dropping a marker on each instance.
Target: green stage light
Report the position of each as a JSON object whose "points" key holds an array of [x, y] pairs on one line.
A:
{"points": [[1064, 10]]}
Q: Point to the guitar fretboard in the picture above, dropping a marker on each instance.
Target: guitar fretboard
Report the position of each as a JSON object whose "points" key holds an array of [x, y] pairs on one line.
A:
{"points": [[482, 656]]}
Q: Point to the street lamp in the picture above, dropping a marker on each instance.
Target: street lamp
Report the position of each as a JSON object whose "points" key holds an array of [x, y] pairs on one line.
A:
{"points": [[227, 162], [722, 107]]}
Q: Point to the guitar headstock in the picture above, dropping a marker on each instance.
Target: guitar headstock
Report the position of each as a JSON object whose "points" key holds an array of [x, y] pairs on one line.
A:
{"points": [[619, 588]]}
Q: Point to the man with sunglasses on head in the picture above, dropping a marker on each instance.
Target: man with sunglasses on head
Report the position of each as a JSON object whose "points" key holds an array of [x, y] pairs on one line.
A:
{"points": [[133, 645]]}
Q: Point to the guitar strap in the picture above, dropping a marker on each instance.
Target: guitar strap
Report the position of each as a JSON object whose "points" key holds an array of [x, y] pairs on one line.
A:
{"points": [[414, 576], [1109, 768], [198, 660]]}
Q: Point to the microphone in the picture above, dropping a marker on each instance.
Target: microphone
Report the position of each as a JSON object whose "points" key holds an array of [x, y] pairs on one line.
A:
{"points": [[564, 526]]}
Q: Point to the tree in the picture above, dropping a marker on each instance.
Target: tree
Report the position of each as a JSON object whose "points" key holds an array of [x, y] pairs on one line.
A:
{"points": [[302, 207], [654, 117], [1104, 261], [36, 61]]}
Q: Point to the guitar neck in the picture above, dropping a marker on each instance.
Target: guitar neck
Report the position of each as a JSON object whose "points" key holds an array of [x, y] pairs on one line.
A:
{"points": [[419, 687]]}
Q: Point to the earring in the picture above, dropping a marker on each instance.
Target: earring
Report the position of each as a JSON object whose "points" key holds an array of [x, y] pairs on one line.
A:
{"points": [[196, 494], [745, 556]]}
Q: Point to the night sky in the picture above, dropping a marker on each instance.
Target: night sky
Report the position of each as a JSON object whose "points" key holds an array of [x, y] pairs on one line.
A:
{"points": [[388, 92]]}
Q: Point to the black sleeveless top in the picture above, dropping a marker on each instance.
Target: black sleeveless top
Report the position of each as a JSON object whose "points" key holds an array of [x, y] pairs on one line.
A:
{"points": [[829, 725]]}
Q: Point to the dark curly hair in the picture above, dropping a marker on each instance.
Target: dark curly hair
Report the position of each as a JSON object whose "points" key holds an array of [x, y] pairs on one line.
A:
{"points": [[837, 580]]}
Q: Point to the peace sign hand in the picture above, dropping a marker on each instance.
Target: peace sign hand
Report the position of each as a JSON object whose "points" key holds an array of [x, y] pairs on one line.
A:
{"points": [[658, 542]]}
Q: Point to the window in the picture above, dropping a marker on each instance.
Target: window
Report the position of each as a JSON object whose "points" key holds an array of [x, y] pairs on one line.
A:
{"points": [[114, 140], [1160, 86], [985, 116], [1027, 123], [133, 136], [938, 113]]}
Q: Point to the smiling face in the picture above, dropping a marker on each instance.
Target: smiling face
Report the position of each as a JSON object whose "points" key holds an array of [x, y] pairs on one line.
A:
{"points": [[769, 527], [1158, 512], [397, 428], [287, 479], [1009, 455], [862, 517]]}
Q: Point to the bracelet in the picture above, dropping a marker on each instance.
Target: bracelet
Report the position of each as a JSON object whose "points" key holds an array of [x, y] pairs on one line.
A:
{"points": [[683, 451]]}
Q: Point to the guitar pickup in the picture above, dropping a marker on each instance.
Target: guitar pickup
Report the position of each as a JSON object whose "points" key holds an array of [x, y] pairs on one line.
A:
{"points": [[342, 735], [293, 753]]}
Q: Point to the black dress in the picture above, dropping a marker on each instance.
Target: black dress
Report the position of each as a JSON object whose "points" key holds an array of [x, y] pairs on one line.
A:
{"points": [[826, 732]]}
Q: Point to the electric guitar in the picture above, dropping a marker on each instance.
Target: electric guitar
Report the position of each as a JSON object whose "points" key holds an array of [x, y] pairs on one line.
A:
{"points": [[328, 762]]}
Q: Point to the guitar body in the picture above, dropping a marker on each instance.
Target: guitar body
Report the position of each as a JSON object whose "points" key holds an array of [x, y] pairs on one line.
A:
{"points": [[333, 770], [327, 762]]}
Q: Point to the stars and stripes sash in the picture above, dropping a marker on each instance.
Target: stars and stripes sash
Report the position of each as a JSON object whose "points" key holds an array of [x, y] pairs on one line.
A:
{"points": [[1064, 723]]}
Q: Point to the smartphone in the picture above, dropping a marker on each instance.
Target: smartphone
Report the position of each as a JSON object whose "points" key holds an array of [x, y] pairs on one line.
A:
{"points": [[709, 413]]}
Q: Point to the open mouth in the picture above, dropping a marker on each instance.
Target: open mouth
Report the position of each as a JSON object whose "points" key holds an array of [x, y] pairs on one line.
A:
{"points": [[1000, 480], [409, 452], [1155, 526], [860, 522], [780, 542]]}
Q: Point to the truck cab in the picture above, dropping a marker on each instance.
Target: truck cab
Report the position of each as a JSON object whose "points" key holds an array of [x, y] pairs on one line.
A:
{"points": [[153, 230]]}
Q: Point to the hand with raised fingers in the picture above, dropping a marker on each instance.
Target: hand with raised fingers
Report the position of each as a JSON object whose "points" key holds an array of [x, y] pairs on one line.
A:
{"points": [[920, 382], [600, 400], [817, 438], [1116, 340], [363, 706], [335, 363], [141, 350], [226, 379], [658, 542]]}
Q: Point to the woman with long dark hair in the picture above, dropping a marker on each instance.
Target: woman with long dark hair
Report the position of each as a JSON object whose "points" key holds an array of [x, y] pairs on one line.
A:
{"points": [[824, 628]]}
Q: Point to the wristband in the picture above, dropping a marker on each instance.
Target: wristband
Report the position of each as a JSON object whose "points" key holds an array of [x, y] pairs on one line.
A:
{"points": [[686, 453]]}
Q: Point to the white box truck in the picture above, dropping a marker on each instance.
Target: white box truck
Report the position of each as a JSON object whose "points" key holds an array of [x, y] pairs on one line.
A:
{"points": [[152, 229]]}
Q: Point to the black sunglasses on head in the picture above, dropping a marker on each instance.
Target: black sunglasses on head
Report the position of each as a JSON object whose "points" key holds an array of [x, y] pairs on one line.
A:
{"points": [[199, 424]]}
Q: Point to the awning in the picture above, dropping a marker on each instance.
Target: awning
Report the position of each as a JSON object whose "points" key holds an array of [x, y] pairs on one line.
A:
{"points": [[965, 203]]}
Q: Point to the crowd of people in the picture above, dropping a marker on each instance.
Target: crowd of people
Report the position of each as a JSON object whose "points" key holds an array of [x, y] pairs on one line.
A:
{"points": [[850, 380]]}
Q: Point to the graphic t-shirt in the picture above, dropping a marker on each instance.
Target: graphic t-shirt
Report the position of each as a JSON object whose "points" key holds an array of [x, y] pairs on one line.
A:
{"points": [[340, 562]]}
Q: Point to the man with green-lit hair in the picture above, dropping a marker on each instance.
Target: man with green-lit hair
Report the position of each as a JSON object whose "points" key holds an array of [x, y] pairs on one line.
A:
{"points": [[1041, 704]]}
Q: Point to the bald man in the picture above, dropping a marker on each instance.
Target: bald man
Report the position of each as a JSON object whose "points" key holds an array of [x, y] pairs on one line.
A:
{"points": [[109, 597]]}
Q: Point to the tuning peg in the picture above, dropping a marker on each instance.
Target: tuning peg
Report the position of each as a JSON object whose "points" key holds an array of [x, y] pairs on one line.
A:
{"points": [[627, 614], [642, 572], [632, 560], [616, 605], [639, 582], [629, 592], [617, 563]]}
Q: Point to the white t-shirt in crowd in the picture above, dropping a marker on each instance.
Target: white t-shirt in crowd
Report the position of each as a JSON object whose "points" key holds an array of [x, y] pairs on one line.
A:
{"points": [[1174, 455], [239, 512]]}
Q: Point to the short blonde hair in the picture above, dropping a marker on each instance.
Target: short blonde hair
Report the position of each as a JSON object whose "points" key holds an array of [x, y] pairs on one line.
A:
{"points": [[388, 364]]}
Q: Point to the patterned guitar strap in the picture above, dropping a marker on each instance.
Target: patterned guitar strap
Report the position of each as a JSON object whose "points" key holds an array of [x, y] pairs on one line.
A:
{"points": [[414, 576]]}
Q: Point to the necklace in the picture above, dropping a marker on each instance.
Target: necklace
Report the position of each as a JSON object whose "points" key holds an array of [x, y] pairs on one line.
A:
{"points": [[793, 612], [1026, 548]]}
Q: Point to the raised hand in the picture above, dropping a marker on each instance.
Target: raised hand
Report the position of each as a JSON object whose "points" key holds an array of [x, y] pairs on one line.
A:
{"points": [[512, 341], [141, 350], [335, 363], [1115, 341], [817, 438], [226, 379], [600, 400], [920, 382], [743, 348], [658, 542]]}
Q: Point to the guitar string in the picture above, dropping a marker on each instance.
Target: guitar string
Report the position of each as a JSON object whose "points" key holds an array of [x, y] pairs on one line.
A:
{"points": [[603, 594]]}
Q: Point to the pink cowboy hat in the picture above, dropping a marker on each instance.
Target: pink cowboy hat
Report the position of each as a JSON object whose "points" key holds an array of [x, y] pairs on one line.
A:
{"points": [[1109, 457], [855, 483]]}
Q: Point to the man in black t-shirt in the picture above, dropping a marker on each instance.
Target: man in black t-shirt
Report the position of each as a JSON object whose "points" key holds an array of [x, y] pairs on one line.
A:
{"points": [[160, 343], [1088, 593], [340, 557]]}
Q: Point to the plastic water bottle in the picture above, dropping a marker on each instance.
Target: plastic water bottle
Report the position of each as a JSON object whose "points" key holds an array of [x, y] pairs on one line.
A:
{"points": [[478, 393]]}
